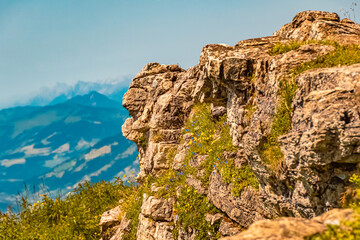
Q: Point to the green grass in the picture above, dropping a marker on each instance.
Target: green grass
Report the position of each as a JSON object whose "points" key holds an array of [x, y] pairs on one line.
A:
{"points": [[281, 48], [269, 147], [212, 138], [74, 217], [158, 137], [143, 141], [191, 208], [131, 206], [250, 109], [343, 55]]}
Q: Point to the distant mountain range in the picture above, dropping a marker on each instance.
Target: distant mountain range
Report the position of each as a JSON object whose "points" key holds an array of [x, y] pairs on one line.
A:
{"points": [[62, 144], [62, 92]]}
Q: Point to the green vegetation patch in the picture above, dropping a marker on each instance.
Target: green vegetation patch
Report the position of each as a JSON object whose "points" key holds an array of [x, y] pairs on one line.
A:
{"points": [[281, 48], [212, 139], [343, 55], [143, 141], [77, 216], [191, 208], [340, 56], [209, 139], [270, 148], [132, 198], [240, 178]]}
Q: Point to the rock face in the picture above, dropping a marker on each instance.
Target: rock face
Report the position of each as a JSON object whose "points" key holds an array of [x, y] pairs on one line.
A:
{"points": [[318, 25], [292, 228], [320, 151], [111, 226]]}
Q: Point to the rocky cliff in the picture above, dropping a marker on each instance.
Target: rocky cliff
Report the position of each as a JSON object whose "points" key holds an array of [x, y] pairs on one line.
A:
{"points": [[264, 129]]}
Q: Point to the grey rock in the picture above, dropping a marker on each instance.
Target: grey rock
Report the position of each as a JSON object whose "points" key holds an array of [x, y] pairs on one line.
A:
{"points": [[157, 209], [244, 209], [229, 228], [292, 228]]}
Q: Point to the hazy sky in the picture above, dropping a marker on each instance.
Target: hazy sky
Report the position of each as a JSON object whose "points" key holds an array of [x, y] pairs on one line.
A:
{"points": [[46, 41]]}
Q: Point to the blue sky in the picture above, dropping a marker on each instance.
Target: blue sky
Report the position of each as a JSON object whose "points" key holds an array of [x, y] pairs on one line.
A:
{"points": [[43, 42]]}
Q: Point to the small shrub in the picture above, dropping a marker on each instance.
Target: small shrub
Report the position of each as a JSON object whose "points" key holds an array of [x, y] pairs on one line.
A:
{"points": [[143, 141], [212, 138], [240, 178], [191, 209]]}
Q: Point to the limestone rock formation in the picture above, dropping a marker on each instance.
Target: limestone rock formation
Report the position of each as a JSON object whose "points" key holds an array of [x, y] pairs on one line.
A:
{"points": [[292, 228], [111, 226], [321, 150]]}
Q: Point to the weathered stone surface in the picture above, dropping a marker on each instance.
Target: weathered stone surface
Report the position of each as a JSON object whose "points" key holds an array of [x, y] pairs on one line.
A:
{"points": [[217, 111], [111, 228], [157, 209], [150, 229], [186, 235], [118, 231], [316, 25], [244, 209], [197, 184], [321, 151], [292, 228], [110, 218], [163, 231], [229, 228], [214, 218], [146, 229]]}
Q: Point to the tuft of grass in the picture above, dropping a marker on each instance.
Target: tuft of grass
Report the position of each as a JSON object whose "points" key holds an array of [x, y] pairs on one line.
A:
{"points": [[343, 55], [170, 155], [240, 178], [131, 206], [74, 217], [191, 208], [143, 141], [281, 48], [158, 137], [250, 109], [270, 148]]}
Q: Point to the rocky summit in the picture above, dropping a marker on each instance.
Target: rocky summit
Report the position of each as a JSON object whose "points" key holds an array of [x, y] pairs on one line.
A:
{"points": [[290, 103]]}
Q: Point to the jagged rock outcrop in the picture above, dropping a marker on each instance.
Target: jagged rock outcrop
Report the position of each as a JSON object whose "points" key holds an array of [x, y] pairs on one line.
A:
{"points": [[320, 151], [318, 25], [113, 224], [293, 228]]}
